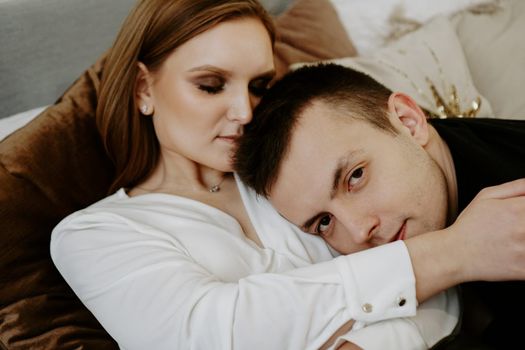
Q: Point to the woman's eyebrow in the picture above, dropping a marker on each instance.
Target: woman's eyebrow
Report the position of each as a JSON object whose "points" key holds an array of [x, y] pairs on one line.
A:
{"points": [[209, 68]]}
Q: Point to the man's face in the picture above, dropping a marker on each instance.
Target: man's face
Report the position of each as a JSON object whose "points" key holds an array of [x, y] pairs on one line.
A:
{"points": [[357, 186]]}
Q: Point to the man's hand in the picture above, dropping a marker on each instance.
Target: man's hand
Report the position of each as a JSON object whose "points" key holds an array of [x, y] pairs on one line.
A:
{"points": [[487, 242], [490, 233]]}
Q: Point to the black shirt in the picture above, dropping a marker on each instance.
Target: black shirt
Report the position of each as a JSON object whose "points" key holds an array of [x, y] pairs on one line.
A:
{"points": [[487, 152]]}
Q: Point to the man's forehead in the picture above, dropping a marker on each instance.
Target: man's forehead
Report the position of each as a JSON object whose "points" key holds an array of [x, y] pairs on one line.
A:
{"points": [[322, 145], [304, 180], [298, 188]]}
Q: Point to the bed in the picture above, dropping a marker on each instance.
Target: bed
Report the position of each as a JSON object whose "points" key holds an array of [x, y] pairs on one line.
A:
{"points": [[52, 161]]}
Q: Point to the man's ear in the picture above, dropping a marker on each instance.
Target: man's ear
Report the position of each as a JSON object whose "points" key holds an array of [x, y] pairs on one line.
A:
{"points": [[406, 113], [143, 94]]}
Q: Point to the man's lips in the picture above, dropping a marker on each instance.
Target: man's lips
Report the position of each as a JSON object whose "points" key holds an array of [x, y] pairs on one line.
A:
{"points": [[401, 234]]}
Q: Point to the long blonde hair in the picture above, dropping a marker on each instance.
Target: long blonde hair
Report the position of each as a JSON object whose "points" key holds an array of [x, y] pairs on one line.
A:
{"points": [[152, 30]]}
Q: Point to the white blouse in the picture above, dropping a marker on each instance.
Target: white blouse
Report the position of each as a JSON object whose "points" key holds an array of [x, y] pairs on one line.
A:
{"points": [[165, 272]]}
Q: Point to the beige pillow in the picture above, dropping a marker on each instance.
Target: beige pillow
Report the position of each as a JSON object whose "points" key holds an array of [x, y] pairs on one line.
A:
{"points": [[426, 59], [494, 47], [372, 24]]}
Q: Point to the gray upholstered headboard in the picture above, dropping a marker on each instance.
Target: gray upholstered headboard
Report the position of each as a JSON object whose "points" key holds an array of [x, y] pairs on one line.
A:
{"points": [[45, 45]]}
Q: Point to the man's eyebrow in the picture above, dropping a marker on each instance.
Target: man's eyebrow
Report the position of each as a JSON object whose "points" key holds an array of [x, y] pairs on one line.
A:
{"points": [[338, 171], [342, 163]]}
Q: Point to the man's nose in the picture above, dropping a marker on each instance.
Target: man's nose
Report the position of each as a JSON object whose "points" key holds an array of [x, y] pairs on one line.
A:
{"points": [[240, 110], [360, 224]]}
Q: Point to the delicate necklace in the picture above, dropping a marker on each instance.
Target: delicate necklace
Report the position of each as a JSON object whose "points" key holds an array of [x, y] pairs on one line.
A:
{"points": [[217, 187], [211, 189]]}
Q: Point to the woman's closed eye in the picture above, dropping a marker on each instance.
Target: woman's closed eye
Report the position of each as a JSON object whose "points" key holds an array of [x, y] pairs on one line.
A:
{"points": [[211, 85]]}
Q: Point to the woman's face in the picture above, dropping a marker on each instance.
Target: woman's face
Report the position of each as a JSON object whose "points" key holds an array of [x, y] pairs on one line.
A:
{"points": [[205, 91]]}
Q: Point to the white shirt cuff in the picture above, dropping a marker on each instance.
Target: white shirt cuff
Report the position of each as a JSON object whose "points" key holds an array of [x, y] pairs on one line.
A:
{"points": [[379, 283]]}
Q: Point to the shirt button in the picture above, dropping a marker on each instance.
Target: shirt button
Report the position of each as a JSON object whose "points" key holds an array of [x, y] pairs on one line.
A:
{"points": [[367, 308], [401, 301]]}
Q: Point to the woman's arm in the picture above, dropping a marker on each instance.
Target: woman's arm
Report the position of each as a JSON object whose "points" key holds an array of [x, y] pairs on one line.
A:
{"points": [[153, 289]]}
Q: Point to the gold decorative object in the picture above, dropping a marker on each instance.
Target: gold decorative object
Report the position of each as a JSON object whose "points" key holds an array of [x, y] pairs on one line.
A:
{"points": [[447, 106], [452, 107]]}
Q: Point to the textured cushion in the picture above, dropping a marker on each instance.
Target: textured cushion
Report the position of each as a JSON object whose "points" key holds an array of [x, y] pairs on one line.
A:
{"points": [[492, 40], [56, 165], [48, 169], [428, 57], [371, 24]]}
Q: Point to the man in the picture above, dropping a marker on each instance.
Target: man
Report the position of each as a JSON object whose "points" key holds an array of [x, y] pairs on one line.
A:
{"points": [[342, 157]]}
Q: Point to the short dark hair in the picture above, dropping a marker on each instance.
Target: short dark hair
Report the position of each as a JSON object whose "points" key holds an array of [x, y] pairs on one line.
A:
{"points": [[266, 139]]}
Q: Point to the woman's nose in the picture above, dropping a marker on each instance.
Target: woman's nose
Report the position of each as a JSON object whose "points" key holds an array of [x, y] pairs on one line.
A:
{"points": [[241, 109]]}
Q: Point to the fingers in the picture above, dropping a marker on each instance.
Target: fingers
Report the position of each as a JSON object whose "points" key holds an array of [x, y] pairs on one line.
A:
{"points": [[506, 190]]}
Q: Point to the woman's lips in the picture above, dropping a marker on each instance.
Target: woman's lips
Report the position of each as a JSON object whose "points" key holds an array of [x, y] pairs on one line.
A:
{"points": [[229, 138]]}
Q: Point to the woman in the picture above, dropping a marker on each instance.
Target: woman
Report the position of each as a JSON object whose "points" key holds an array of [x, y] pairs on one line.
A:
{"points": [[182, 255]]}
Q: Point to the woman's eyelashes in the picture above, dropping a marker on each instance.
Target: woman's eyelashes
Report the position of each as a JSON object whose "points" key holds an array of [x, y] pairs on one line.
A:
{"points": [[215, 85], [211, 85]]}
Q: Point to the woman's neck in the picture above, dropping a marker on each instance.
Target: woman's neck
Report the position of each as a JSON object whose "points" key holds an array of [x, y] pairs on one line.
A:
{"points": [[182, 177], [179, 175]]}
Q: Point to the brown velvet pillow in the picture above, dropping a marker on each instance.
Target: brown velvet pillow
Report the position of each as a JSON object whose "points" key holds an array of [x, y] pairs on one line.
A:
{"points": [[56, 165], [51, 167]]}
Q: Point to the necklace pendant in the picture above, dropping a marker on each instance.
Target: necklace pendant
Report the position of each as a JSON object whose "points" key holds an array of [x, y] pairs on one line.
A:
{"points": [[215, 188]]}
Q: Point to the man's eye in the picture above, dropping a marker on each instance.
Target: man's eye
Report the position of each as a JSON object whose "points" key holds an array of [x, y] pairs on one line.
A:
{"points": [[323, 225], [355, 177]]}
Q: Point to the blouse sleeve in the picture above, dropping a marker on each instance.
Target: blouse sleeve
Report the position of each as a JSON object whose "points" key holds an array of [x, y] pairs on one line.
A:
{"points": [[151, 294]]}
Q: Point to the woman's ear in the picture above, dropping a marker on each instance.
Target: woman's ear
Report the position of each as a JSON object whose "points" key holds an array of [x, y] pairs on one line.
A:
{"points": [[405, 112], [143, 90]]}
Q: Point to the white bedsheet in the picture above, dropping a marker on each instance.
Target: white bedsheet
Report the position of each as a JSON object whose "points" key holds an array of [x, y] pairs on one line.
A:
{"points": [[14, 122]]}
